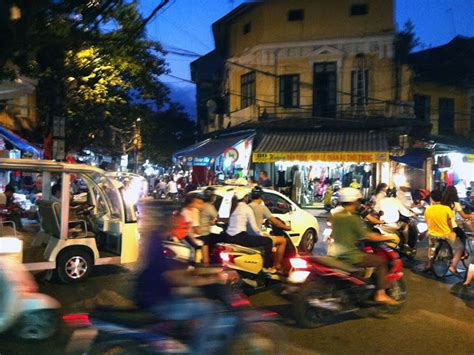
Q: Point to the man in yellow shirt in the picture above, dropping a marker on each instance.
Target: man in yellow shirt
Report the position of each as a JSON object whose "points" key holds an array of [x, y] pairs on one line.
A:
{"points": [[439, 217]]}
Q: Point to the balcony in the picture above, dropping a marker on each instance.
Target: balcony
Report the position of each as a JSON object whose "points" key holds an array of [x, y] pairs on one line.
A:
{"points": [[374, 110]]}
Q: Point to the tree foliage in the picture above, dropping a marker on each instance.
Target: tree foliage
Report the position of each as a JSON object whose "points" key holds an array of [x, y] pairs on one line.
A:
{"points": [[405, 41], [95, 65]]}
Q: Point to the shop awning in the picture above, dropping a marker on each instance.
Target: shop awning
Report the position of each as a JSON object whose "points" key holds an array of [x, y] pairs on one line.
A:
{"points": [[347, 146], [414, 158], [201, 153], [19, 142]]}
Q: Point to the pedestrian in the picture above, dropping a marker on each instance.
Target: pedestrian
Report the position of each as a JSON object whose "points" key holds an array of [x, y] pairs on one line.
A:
{"points": [[172, 188], [264, 180]]}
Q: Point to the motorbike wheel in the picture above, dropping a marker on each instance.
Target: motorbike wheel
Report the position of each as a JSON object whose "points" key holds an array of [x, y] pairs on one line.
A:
{"points": [[308, 241], [37, 325], [398, 290], [118, 346], [261, 338], [442, 258], [306, 315]]}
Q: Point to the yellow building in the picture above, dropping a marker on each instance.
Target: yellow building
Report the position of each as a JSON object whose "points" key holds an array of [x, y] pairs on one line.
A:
{"points": [[18, 105], [301, 59], [443, 87]]}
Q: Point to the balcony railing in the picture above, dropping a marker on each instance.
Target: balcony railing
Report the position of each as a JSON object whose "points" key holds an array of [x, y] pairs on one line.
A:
{"points": [[381, 109]]}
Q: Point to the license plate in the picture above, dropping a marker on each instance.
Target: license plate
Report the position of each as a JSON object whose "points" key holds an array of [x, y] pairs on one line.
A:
{"points": [[327, 233]]}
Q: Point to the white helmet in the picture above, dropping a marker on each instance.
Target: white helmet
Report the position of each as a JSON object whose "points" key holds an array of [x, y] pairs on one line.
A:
{"points": [[240, 194], [349, 194]]}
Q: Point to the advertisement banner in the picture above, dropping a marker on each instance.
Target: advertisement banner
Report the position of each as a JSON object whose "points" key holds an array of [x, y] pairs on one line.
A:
{"points": [[354, 157]]}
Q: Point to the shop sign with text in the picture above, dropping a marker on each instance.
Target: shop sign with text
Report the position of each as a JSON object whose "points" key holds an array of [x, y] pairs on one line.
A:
{"points": [[356, 157]]}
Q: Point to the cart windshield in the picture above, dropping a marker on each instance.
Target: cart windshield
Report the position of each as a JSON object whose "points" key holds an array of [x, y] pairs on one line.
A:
{"points": [[110, 193]]}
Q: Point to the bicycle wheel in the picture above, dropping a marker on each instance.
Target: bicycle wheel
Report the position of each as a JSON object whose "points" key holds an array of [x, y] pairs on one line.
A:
{"points": [[442, 258]]}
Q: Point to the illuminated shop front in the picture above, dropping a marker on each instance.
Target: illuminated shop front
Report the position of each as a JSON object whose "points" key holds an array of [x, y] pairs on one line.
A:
{"points": [[217, 159], [303, 164], [453, 169]]}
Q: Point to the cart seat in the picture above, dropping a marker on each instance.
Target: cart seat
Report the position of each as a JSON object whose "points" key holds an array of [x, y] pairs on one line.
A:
{"points": [[50, 217], [336, 264]]}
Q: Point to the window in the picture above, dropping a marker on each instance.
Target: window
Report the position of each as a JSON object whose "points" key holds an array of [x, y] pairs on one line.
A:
{"points": [[359, 87], [247, 27], [290, 90], [422, 105], [276, 204], [446, 116], [359, 9], [247, 89], [296, 15], [472, 114]]}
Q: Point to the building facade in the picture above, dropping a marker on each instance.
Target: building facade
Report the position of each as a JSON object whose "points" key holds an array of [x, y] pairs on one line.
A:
{"points": [[300, 59], [443, 87]]}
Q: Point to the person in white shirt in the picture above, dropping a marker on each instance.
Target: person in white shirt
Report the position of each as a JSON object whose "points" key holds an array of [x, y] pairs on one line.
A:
{"points": [[172, 188], [391, 208], [243, 229]]}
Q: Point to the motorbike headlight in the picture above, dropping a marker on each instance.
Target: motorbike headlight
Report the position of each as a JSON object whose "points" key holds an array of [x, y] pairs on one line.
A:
{"points": [[298, 277], [298, 263]]}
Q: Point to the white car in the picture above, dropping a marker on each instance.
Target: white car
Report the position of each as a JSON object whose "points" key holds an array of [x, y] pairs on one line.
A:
{"points": [[304, 226]]}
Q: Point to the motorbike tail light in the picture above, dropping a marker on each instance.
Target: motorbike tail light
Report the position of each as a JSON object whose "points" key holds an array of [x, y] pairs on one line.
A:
{"points": [[226, 257], [77, 320], [168, 252], [298, 263]]}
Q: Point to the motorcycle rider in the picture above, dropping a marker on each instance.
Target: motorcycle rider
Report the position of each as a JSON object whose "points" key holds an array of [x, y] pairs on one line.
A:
{"points": [[241, 220], [193, 204], [391, 210], [261, 213], [348, 231], [168, 288]]}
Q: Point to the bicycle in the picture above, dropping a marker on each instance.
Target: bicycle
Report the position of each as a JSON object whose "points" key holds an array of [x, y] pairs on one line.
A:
{"points": [[441, 258]]}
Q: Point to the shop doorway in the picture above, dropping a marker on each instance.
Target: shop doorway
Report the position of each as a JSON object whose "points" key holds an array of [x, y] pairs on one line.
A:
{"points": [[325, 89]]}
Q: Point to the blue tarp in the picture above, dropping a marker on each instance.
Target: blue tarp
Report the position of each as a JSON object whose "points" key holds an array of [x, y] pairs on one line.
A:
{"points": [[414, 158], [20, 143]]}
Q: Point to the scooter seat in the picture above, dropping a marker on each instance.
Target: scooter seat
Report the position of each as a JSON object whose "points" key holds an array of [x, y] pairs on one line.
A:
{"points": [[129, 316], [336, 264]]}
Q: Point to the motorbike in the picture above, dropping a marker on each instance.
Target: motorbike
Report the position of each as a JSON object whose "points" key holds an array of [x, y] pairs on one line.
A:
{"points": [[244, 330], [24, 312], [323, 287], [248, 262]]}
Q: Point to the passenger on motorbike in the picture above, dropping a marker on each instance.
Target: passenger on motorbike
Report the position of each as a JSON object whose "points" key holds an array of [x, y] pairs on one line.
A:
{"points": [[404, 195], [451, 199], [392, 210], [242, 219], [193, 204], [348, 231], [380, 194], [261, 213], [166, 287], [440, 226]]}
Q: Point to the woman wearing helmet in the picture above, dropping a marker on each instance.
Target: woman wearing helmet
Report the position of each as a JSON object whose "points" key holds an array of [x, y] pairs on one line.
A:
{"points": [[242, 219], [348, 231]]}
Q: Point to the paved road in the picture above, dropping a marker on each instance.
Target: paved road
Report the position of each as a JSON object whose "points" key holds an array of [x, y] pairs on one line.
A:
{"points": [[438, 317]]}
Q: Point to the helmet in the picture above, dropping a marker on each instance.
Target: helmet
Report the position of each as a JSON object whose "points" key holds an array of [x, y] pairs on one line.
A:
{"points": [[349, 194], [240, 194], [257, 193], [208, 193]]}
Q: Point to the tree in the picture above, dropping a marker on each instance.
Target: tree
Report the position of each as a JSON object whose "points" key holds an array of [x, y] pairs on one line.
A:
{"points": [[165, 132], [94, 63], [405, 41]]}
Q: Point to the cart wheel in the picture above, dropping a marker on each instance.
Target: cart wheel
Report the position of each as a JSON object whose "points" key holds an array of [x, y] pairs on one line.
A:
{"points": [[74, 265]]}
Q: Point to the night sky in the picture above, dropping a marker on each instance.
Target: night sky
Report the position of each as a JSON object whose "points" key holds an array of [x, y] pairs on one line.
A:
{"points": [[186, 24]]}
